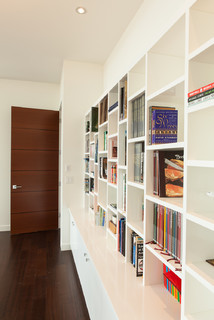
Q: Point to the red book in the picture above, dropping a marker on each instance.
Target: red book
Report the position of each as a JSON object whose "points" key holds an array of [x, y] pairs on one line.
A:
{"points": [[200, 90]]}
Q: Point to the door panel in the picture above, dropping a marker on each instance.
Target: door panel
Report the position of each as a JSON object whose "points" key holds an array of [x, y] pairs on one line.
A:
{"points": [[34, 160], [34, 221], [34, 201], [39, 139], [35, 119], [34, 170], [34, 180]]}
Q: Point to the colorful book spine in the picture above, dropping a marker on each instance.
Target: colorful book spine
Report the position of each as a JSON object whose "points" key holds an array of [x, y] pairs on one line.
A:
{"points": [[172, 283], [164, 126], [167, 230], [113, 106]]}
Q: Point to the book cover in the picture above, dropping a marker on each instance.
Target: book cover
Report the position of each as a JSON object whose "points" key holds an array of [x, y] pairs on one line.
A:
{"points": [[139, 256], [164, 126], [151, 108], [171, 173]]}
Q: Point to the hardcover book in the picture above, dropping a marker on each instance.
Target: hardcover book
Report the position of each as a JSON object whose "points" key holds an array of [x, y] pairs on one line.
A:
{"points": [[139, 256], [164, 126], [94, 119], [171, 173]]}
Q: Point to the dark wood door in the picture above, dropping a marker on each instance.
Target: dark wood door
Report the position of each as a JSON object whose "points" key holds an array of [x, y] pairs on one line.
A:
{"points": [[34, 170]]}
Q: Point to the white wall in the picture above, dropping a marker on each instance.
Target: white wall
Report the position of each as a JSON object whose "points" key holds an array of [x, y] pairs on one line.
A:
{"points": [[22, 94], [152, 19], [81, 85]]}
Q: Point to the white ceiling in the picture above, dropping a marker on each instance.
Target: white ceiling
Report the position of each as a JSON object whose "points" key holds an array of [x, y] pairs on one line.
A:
{"points": [[37, 35]]}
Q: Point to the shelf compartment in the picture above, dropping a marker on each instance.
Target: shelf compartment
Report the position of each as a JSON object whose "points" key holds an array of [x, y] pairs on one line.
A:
{"points": [[166, 57], [199, 248], [201, 24], [200, 191], [198, 303], [172, 265], [137, 227], [137, 77], [201, 69], [205, 221], [112, 209], [170, 96], [113, 123], [200, 129], [136, 185], [135, 206]]}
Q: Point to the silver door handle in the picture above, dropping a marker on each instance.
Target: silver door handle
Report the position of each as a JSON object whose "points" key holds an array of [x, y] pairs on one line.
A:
{"points": [[16, 187]]}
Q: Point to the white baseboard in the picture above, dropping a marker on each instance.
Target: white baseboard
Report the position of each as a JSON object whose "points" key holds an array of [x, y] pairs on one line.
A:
{"points": [[65, 247], [4, 228]]}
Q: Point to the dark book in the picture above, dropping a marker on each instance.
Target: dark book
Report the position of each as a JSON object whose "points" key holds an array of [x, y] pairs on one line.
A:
{"points": [[151, 109], [210, 261], [94, 119], [122, 98], [125, 153], [113, 106], [171, 173], [141, 116], [104, 168], [164, 126], [134, 118]]}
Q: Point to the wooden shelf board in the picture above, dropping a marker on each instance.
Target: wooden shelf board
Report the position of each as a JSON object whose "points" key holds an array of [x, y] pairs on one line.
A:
{"points": [[114, 236], [137, 139], [200, 163], [103, 124], [112, 209], [207, 46], [204, 220], [137, 227], [200, 106], [113, 185]]}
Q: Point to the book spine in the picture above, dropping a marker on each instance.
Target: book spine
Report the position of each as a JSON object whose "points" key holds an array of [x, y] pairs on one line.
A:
{"points": [[202, 89], [201, 95]]}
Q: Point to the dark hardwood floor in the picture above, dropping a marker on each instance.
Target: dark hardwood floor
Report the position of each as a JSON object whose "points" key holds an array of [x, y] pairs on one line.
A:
{"points": [[37, 280]]}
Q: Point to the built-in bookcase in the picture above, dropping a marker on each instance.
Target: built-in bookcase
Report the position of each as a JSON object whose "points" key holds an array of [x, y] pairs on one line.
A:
{"points": [[181, 61]]}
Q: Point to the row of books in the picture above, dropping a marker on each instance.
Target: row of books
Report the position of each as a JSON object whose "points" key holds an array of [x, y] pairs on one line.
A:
{"points": [[139, 162], [201, 95], [113, 177], [163, 125], [105, 139], [113, 147], [138, 117], [103, 168], [123, 101], [96, 152], [137, 245], [87, 165], [86, 185], [167, 230], [100, 216], [122, 236], [172, 283], [91, 184], [168, 173]]}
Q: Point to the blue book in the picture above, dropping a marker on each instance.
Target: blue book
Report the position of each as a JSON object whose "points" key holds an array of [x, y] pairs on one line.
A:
{"points": [[164, 126]]}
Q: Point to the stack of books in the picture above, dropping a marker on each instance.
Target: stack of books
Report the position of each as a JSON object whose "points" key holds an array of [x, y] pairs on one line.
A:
{"points": [[201, 95], [137, 246], [172, 283]]}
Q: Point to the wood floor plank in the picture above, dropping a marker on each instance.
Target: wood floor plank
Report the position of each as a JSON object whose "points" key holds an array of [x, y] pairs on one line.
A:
{"points": [[38, 281]]}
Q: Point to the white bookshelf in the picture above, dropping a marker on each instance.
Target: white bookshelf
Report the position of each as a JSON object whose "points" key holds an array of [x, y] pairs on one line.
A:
{"points": [[180, 61]]}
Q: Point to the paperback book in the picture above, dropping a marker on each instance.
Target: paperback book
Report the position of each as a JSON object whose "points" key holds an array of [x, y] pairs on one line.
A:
{"points": [[164, 126]]}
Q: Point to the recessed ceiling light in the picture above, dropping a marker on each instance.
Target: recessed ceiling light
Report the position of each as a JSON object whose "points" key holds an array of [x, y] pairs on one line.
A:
{"points": [[81, 10]]}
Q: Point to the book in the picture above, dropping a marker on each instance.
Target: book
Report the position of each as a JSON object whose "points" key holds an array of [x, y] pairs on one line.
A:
{"points": [[139, 256], [104, 110], [94, 119], [113, 106], [151, 109], [210, 261], [164, 126], [123, 101], [121, 236], [125, 153], [200, 90], [167, 230], [172, 283], [105, 135], [138, 117], [138, 162], [168, 168]]}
